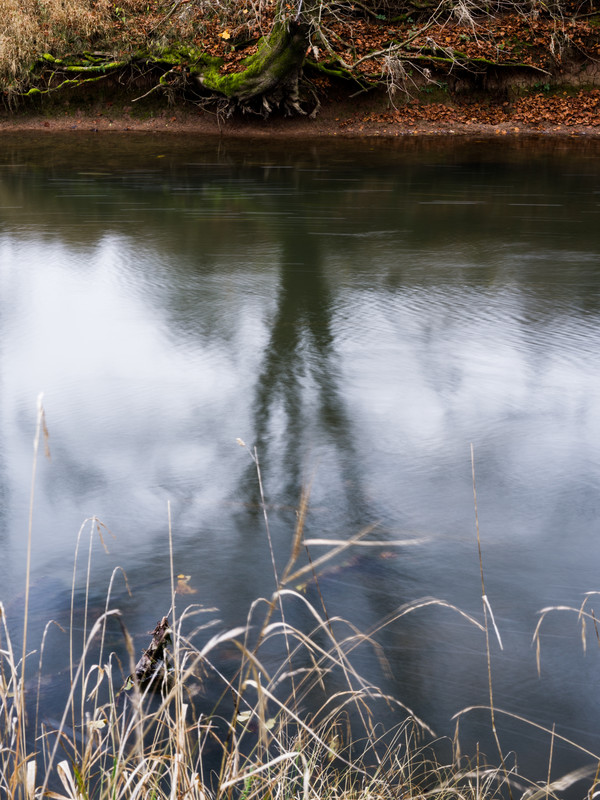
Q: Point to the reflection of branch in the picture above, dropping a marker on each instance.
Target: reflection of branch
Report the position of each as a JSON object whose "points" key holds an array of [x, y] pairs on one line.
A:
{"points": [[343, 546]]}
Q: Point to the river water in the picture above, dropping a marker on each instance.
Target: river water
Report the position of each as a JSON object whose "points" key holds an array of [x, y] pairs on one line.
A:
{"points": [[362, 313]]}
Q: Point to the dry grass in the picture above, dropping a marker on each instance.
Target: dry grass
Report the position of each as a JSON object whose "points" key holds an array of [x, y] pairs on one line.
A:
{"points": [[29, 28], [259, 741], [112, 743], [305, 726]]}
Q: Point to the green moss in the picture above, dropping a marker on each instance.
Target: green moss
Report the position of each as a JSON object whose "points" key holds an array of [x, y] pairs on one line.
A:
{"points": [[434, 93], [206, 62], [228, 85], [178, 54], [279, 55], [276, 57], [332, 69], [97, 65], [34, 91], [95, 69]]}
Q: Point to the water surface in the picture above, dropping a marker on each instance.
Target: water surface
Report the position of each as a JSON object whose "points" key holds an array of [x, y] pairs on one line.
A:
{"points": [[361, 313]]}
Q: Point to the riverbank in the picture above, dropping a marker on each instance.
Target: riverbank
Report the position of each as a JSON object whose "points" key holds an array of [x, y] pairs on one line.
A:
{"points": [[565, 113], [393, 70]]}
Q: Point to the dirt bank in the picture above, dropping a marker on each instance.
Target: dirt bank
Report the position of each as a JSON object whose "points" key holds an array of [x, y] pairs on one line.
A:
{"points": [[565, 113]]}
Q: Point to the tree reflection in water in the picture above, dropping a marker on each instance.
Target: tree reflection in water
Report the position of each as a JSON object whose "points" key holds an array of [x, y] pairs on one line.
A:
{"points": [[299, 409]]}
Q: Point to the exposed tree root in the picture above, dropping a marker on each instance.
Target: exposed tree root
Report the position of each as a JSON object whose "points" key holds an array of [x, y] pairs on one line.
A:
{"points": [[270, 77]]}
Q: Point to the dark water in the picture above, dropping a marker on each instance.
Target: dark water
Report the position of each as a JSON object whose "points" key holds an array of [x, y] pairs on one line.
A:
{"points": [[362, 313]]}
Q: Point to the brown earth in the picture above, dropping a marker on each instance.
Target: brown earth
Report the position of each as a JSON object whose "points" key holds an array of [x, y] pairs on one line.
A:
{"points": [[566, 113]]}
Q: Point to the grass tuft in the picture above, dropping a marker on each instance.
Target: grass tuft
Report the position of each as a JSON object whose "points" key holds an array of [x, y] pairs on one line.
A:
{"points": [[29, 28], [294, 719]]}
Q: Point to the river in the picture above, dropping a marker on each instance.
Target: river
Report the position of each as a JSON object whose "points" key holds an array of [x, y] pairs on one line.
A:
{"points": [[363, 313]]}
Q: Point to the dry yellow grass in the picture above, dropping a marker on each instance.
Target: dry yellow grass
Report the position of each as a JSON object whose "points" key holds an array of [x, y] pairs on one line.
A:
{"points": [[29, 28], [307, 727]]}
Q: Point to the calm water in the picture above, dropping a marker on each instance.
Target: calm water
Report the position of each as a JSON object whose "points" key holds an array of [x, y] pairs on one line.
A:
{"points": [[362, 314]]}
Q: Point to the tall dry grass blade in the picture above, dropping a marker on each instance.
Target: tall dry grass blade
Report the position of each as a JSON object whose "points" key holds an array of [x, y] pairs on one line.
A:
{"points": [[276, 599], [560, 784], [370, 543], [492, 618], [94, 525], [486, 606], [344, 545], [70, 700], [40, 662], [582, 615], [30, 780], [550, 761], [299, 530], [535, 725], [106, 607], [21, 747]]}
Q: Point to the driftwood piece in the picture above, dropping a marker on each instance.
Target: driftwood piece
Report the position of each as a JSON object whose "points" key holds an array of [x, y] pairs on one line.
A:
{"points": [[152, 668]]}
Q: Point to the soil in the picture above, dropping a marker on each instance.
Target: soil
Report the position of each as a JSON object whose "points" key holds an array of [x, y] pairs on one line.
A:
{"points": [[564, 113]]}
